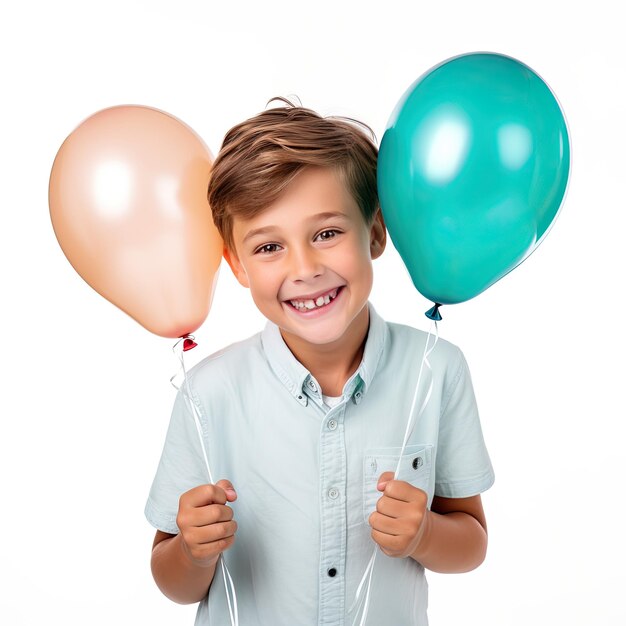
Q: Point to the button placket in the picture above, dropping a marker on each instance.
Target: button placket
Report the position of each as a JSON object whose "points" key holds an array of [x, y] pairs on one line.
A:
{"points": [[333, 539]]}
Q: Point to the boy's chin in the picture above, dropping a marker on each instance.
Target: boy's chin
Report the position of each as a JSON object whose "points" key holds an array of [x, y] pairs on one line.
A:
{"points": [[312, 339], [315, 334]]}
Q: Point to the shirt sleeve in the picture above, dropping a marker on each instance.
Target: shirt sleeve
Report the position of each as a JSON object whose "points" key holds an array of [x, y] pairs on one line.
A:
{"points": [[463, 467], [181, 467]]}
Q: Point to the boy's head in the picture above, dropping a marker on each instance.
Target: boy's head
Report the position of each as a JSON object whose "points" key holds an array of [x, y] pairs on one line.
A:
{"points": [[280, 171], [260, 156]]}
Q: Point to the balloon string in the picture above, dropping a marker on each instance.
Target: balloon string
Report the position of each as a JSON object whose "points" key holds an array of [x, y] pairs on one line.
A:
{"points": [[409, 430], [413, 418], [367, 574], [184, 389]]}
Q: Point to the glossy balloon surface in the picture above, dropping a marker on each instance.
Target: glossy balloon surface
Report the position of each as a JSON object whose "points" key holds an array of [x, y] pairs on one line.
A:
{"points": [[128, 205], [472, 171]]}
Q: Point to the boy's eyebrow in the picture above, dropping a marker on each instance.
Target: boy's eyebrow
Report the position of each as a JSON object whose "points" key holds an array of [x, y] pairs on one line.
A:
{"points": [[313, 218]]}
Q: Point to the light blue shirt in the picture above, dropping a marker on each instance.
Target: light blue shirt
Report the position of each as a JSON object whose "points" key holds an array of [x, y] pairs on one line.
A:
{"points": [[306, 473]]}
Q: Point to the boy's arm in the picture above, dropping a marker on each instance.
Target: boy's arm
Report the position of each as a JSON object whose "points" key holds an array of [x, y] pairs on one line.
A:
{"points": [[455, 535], [176, 575]]}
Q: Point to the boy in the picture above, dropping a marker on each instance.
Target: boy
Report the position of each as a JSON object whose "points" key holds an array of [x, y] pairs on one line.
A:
{"points": [[304, 418]]}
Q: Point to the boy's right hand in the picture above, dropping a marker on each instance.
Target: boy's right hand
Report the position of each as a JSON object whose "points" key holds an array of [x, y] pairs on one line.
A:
{"points": [[206, 524]]}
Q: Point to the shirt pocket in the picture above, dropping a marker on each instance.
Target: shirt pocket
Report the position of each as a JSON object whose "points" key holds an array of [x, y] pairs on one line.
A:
{"points": [[415, 469]]}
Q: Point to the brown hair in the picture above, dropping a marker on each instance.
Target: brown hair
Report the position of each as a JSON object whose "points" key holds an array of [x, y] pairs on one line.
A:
{"points": [[260, 157]]}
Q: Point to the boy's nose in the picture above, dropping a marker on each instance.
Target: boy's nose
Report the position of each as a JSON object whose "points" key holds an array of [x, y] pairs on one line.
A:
{"points": [[305, 264]]}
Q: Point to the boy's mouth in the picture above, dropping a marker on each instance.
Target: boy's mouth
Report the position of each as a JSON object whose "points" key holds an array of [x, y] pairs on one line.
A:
{"points": [[318, 303]]}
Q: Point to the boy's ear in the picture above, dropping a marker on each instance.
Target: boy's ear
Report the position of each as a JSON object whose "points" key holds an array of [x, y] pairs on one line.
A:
{"points": [[236, 267], [378, 235]]}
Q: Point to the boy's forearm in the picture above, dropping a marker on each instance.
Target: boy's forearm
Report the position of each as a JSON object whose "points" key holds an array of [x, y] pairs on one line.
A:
{"points": [[176, 575], [452, 543]]}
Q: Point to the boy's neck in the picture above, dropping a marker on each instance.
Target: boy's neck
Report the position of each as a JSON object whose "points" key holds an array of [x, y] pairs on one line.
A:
{"points": [[333, 363]]}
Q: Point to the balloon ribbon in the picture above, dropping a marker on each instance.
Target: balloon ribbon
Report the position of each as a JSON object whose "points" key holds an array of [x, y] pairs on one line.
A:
{"points": [[409, 429], [187, 344]]}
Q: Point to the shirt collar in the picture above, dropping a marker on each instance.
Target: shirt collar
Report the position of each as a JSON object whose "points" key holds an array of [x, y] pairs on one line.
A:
{"points": [[300, 382]]}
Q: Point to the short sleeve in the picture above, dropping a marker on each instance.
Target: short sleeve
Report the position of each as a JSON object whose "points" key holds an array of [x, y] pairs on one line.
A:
{"points": [[463, 467], [181, 467]]}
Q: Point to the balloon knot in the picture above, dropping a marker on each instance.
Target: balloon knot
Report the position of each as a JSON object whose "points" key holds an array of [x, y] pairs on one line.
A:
{"points": [[189, 343], [433, 313]]}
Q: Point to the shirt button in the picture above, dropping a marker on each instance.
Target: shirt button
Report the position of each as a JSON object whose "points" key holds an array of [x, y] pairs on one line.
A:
{"points": [[312, 385], [332, 571], [333, 493], [417, 462], [332, 424]]}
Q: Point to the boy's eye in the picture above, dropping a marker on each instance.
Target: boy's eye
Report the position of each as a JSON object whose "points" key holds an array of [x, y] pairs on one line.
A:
{"points": [[263, 249], [331, 230]]}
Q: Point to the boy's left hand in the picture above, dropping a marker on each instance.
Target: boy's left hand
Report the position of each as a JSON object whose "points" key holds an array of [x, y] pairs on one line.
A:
{"points": [[401, 517]]}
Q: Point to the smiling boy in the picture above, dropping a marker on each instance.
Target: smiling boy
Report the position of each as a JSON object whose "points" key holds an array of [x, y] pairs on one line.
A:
{"points": [[327, 341], [305, 419]]}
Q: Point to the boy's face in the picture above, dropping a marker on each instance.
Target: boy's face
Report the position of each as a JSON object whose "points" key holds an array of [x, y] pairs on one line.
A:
{"points": [[304, 253]]}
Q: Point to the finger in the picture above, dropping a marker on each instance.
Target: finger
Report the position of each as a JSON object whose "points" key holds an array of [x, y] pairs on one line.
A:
{"points": [[227, 486], [209, 514], [209, 550], [405, 492], [383, 524], [391, 543], [203, 495], [393, 508], [206, 552], [214, 532], [384, 478]]}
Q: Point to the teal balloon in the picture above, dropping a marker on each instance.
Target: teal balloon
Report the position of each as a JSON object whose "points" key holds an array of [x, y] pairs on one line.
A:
{"points": [[472, 171]]}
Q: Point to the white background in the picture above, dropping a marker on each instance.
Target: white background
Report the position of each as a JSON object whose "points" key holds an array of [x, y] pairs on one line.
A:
{"points": [[85, 391]]}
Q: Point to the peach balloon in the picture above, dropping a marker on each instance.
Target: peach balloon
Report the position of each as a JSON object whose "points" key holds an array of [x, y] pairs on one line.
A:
{"points": [[129, 208]]}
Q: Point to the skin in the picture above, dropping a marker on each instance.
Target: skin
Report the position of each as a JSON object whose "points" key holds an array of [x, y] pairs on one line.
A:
{"points": [[302, 253]]}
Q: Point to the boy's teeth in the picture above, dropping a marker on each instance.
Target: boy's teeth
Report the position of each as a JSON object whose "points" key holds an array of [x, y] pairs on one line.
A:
{"points": [[310, 304]]}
